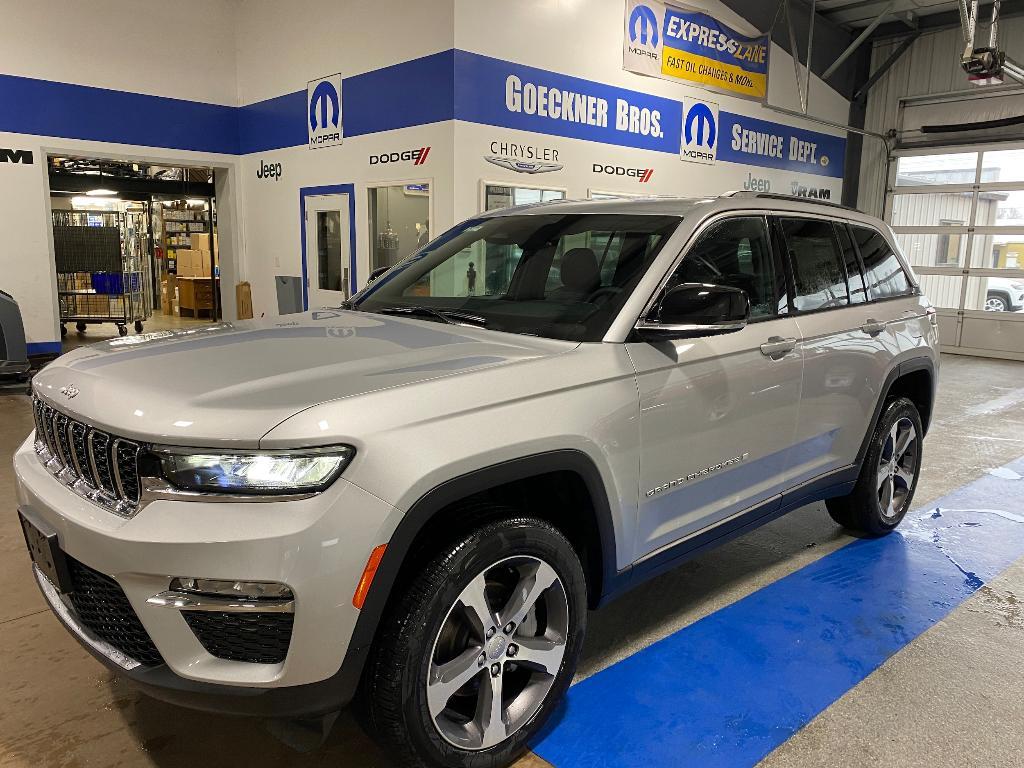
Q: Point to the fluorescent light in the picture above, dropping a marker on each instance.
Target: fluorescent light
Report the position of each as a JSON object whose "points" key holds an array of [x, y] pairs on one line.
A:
{"points": [[100, 192]]}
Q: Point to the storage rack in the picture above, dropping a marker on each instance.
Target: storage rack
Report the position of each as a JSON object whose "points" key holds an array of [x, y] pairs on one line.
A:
{"points": [[102, 272]]}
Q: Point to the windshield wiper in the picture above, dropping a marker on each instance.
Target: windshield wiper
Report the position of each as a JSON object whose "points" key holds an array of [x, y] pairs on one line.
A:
{"points": [[450, 316]]}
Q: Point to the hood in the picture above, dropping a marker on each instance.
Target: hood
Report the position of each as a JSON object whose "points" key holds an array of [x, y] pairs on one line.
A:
{"points": [[231, 383]]}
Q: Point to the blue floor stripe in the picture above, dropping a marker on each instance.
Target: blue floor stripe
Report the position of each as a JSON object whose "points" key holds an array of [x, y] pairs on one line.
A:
{"points": [[730, 688]]}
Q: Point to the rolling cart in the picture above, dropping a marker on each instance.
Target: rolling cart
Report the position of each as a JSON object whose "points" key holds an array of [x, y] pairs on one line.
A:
{"points": [[102, 272]]}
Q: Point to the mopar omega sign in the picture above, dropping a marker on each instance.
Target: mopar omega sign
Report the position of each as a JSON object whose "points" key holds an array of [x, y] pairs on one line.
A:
{"points": [[323, 108]]}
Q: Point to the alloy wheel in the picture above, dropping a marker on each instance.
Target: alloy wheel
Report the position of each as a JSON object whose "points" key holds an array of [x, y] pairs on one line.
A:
{"points": [[995, 304], [897, 468], [498, 653]]}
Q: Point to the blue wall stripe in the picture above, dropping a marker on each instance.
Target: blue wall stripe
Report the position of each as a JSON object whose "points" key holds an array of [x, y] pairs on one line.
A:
{"points": [[730, 688], [45, 108], [273, 124]]}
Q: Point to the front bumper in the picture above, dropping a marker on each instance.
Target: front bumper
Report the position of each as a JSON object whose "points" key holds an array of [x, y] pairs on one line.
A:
{"points": [[317, 546]]}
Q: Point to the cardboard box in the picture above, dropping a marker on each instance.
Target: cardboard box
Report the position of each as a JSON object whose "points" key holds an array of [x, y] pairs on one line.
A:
{"points": [[185, 259], [201, 263], [201, 241], [243, 300]]}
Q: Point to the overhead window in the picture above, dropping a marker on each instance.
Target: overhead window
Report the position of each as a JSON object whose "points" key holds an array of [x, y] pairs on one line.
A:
{"points": [[817, 263]]}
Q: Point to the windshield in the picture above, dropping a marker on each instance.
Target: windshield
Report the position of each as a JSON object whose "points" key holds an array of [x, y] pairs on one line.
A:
{"points": [[563, 276]]}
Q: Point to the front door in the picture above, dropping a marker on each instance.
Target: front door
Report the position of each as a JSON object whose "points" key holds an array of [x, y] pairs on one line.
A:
{"points": [[718, 414], [328, 250]]}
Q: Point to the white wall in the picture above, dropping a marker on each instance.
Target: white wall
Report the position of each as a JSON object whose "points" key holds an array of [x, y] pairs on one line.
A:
{"points": [[184, 49]]}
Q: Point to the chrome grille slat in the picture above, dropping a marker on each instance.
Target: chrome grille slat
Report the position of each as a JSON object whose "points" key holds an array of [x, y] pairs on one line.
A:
{"points": [[94, 464]]}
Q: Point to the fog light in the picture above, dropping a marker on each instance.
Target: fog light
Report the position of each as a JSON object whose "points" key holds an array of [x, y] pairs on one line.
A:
{"points": [[253, 590]]}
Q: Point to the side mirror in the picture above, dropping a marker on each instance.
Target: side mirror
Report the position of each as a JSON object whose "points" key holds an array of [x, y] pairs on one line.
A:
{"points": [[377, 273], [697, 309]]}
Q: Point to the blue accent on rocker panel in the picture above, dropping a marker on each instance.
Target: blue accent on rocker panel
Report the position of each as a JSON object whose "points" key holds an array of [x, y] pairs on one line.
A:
{"points": [[46, 108], [730, 688]]}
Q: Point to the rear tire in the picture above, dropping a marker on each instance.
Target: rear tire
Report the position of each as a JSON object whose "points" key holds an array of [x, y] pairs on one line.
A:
{"points": [[888, 477], [464, 631]]}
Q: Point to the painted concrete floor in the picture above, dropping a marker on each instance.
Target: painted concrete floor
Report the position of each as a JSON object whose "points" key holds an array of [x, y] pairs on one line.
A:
{"points": [[949, 698]]}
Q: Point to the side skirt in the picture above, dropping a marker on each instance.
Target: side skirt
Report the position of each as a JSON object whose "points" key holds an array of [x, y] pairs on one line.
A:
{"points": [[837, 483]]}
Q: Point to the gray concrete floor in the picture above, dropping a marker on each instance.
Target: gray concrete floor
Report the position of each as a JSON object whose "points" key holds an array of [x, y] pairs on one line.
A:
{"points": [[950, 698]]}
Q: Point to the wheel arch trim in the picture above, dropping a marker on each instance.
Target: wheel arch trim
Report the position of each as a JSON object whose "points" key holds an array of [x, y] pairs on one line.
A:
{"points": [[420, 514]]}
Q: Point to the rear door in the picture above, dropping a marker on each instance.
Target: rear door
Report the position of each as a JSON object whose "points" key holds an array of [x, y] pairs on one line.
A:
{"points": [[841, 362], [718, 414]]}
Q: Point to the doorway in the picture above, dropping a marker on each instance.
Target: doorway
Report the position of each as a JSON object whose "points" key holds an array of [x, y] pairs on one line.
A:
{"points": [[328, 269], [135, 247]]}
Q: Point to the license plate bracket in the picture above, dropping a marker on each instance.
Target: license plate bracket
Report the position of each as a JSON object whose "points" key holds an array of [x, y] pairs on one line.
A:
{"points": [[46, 553]]}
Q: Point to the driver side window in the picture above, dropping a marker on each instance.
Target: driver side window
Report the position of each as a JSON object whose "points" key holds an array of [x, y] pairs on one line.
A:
{"points": [[736, 253]]}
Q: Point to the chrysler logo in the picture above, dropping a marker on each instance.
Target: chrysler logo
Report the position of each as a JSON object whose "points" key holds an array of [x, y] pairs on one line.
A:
{"points": [[70, 391], [523, 166]]}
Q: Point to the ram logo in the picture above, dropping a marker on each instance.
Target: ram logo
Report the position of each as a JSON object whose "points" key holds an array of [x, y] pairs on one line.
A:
{"points": [[22, 156]]}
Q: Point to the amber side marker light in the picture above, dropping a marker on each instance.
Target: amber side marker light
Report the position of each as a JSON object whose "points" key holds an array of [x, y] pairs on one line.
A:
{"points": [[368, 573]]}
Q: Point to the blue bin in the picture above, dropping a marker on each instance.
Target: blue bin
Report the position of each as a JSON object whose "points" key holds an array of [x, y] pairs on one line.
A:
{"points": [[108, 282]]}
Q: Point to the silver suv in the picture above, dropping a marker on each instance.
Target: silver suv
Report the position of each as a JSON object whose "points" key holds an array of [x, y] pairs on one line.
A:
{"points": [[413, 500]]}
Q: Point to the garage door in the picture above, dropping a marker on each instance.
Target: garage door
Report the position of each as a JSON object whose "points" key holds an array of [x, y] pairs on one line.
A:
{"points": [[959, 216]]}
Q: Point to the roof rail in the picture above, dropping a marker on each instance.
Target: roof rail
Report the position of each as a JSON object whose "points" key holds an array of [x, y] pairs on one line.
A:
{"points": [[746, 193]]}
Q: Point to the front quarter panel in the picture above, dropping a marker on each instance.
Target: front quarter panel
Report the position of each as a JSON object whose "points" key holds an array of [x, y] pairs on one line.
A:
{"points": [[410, 441]]}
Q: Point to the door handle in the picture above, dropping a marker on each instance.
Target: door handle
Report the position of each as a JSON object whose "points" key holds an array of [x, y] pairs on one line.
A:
{"points": [[776, 347], [873, 327]]}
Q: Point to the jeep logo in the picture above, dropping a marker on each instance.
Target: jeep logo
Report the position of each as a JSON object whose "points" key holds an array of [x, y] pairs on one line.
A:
{"points": [[22, 156]]}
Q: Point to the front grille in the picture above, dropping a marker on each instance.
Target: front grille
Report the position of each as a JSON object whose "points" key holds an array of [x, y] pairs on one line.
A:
{"points": [[93, 463], [104, 610], [259, 638]]}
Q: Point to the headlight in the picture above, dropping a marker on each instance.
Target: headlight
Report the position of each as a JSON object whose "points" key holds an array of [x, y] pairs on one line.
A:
{"points": [[258, 472]]}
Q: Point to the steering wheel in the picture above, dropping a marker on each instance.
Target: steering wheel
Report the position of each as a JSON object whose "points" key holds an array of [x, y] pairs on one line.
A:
{"points": [[607, 290]]}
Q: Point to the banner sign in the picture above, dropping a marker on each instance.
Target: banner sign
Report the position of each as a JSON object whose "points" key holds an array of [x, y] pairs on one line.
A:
{"points": [[491, 91], [682, 44]]}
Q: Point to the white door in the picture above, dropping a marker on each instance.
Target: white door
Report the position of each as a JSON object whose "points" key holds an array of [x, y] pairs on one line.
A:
{"points": [[328, 250]]}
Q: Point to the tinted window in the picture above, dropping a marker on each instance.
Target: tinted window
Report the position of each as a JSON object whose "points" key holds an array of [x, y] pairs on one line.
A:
{"points": [[735, 253], [556, 275], [814, 257], [883, 274], [854, 278]]}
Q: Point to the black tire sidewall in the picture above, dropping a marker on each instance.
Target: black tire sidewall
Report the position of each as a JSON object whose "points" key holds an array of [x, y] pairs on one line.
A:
{"points": [[477, 552], [874, 521]]}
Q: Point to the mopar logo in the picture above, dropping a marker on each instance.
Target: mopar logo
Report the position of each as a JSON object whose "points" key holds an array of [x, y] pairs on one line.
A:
{"points": [[323, 101], [22, 156], [417, 156], [643, 24], [700, 132], [643, 175]]}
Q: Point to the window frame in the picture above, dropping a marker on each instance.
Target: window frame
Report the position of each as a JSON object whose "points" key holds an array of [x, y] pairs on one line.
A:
{"points": [[844, 226], [915, 288], [694, 239], [791, 274]]}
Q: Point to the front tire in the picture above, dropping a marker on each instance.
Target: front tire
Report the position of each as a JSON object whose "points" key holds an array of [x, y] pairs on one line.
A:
{"points": [[472, 659], [888, 478]]}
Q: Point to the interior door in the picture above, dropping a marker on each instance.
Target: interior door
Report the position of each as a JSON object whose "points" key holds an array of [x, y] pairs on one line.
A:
{"points": [[719, 413], [328, 250]]}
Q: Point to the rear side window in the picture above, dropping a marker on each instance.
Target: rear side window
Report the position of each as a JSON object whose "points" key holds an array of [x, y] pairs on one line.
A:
{"points": [[883, 273], [817, 264], [735, 253], [854, 278]]}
